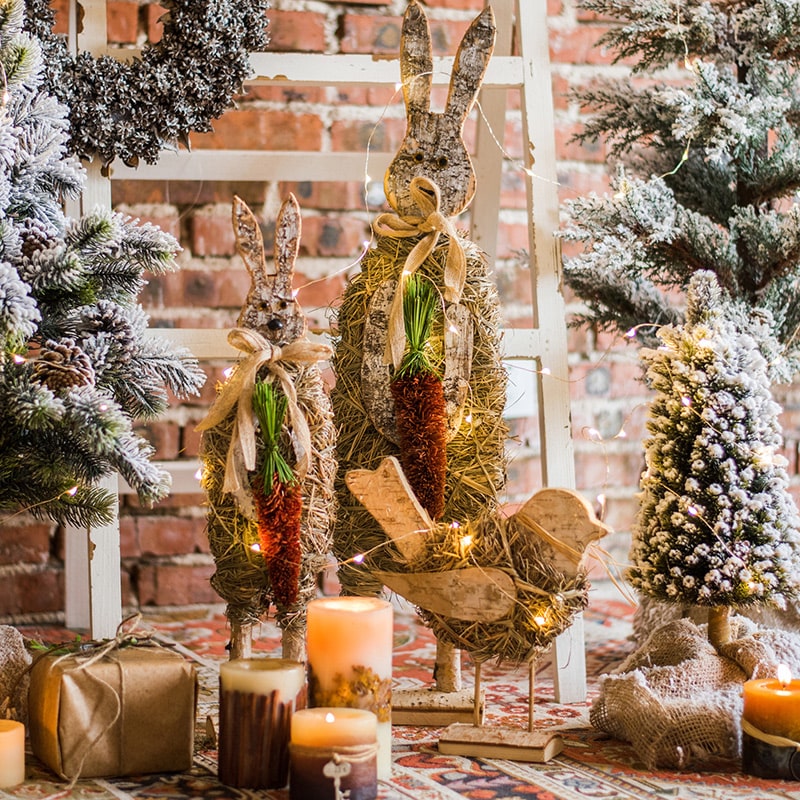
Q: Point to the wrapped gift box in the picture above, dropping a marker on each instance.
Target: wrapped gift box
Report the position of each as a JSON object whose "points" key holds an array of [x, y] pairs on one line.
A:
{"points": [[130, 711]]}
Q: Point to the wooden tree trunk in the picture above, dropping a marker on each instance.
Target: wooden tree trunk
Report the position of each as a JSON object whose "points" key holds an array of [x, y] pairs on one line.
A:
{"points": [[719, 625]]}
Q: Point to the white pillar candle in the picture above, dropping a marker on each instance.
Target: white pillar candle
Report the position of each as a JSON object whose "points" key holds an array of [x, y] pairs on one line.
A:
{"points": [[12, 753], [350, 661]]}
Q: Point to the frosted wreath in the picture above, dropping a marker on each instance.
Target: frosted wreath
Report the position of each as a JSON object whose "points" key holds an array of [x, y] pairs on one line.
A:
{"points": [[134, 110]]}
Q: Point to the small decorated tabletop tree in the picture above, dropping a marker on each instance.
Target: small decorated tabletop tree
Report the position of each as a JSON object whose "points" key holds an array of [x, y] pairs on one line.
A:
{"points": [[716, 525]]}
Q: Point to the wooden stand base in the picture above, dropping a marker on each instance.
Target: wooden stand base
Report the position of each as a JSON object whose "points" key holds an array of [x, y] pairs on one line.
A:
{"points": [[514, 744], [428, 707]]}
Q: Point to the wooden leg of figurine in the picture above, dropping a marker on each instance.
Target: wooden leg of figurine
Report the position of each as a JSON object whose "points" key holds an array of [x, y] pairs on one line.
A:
{"points": [[477, 720], [241, 640], [531, 682], [447, 671], [293, 640]]}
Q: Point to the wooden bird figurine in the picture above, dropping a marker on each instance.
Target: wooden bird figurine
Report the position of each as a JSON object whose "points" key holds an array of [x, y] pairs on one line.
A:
{"points": [[470, 580]]}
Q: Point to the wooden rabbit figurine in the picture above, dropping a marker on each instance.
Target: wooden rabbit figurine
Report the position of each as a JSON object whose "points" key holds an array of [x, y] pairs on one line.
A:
{"points": [[430, 180], [259, 561]]}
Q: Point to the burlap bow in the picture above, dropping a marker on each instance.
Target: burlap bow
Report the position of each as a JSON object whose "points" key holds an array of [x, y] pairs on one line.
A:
{"points": [[238, 391], [431, 225]]}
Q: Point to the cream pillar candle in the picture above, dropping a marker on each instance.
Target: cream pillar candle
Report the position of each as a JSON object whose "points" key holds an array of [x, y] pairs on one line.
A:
{"points": [[12, 753], [349, 646], [263, 676], [333, 754], [257, 698]]}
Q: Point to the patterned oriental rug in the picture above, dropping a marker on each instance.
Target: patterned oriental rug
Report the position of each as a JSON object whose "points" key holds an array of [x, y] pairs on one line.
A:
{"points": [[592, 765]]}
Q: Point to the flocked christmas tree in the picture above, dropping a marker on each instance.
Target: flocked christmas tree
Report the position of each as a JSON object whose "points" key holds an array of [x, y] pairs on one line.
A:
{"points": [[716, 526], [76, 368], [704, 136]]}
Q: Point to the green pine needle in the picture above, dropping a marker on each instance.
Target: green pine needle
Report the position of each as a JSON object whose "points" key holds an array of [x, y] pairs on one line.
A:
{"points": [[270, 407], [420, 302]]}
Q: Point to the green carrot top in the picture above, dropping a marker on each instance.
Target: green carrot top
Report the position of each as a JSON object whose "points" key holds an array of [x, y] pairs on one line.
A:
{"points": [[420, 301], [270, 406]]}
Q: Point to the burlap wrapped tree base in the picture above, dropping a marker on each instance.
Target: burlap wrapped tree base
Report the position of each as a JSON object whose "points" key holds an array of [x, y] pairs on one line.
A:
{"points": [[678, 701]]}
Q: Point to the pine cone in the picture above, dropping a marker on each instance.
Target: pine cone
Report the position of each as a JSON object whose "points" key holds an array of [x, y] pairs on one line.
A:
{"points": [[36, 237], [63, 365], [106, 317]]}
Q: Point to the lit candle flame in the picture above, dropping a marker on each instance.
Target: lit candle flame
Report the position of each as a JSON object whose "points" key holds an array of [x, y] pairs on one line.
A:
{"points": [[329, 717], [784, 675]]}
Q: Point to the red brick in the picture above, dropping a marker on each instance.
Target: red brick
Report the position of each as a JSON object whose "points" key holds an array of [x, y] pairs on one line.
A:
{"points": [[167, 536], [561, 90], [122, 22], [165, 218], [579, 46], [25, 544], [36, 592], [579, 183], [175, 584], [326, 195], [212, 233], [61, 9], [317, 296], [379, 96], [190, 440], [163, 436], [380, 35], [288, 94], [510, 239], [475, 5], [567, 148], [626, 378], [359, 135], [128, 537], [333, 236], [260, 129], [153, 13], [368, 34], [293, 31]]}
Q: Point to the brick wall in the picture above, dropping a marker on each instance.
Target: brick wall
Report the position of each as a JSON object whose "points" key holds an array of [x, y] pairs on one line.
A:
{"points": [[165, 558]]}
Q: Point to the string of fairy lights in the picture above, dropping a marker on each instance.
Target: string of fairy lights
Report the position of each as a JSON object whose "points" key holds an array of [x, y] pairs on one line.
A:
{"points": [[463, 539]]}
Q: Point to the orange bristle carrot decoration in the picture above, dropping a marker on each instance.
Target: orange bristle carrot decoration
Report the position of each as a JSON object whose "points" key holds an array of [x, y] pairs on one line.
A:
{"points": [[419, 401], [278, 499]]}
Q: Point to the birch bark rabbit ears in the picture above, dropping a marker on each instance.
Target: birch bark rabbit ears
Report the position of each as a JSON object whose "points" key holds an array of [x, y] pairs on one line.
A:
{"points": [[433, 146], [270, 307]]}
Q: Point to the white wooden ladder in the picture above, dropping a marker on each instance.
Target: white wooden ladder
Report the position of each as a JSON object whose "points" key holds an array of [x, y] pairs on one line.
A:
{"points": [[92, 570]]}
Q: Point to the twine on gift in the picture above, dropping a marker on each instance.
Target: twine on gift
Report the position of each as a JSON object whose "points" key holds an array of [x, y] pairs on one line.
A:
{"points": [[238, 393], [768, 738], [431, 225]]}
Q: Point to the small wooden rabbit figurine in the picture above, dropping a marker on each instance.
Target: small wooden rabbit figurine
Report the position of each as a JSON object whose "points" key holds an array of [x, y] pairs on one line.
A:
{"points": [[430, 180], [270, 539]]}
